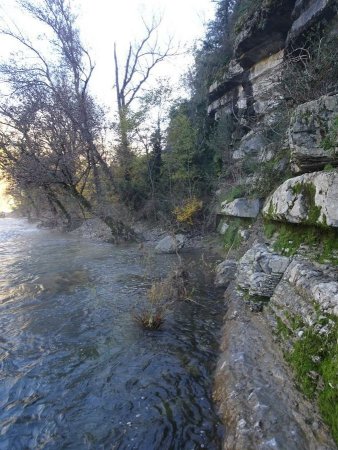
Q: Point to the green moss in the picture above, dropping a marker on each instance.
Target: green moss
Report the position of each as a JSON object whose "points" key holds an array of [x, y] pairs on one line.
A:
{"points": [[235, 192], [308, 191], [282, 330], [322, 242], [328, 168], [270, 215], [297, 188], [270, 228], [231, 238], [295, 321], [330, 142], [314, 359]]}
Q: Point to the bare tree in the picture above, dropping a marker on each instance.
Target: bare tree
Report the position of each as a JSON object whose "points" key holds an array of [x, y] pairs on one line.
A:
{"points": [[131, 78], [50, 122]]}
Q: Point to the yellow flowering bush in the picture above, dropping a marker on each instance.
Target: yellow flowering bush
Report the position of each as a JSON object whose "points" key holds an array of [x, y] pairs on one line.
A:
{"points": [[186, 213]]}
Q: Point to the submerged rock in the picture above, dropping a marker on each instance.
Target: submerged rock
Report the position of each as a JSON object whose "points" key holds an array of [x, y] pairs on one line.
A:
{"points": [[170, 244], [225, 273]]}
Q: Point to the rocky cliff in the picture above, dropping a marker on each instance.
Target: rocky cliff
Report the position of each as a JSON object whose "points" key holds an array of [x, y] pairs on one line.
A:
{"points": [[278, 205]]}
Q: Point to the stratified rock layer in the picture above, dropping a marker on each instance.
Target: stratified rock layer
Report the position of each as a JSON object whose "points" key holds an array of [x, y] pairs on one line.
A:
{"points": [[313, 135], [260, 270], [303, 284]]}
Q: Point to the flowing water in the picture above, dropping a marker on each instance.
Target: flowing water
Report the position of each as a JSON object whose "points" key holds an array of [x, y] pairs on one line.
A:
{"points": [[77, 372]]}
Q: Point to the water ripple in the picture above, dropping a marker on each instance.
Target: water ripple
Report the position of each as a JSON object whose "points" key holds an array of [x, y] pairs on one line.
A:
{"points": [[76, 372]]}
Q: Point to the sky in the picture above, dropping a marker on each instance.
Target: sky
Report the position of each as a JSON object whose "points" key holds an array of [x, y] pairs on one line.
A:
{"points": [[103, 22]]}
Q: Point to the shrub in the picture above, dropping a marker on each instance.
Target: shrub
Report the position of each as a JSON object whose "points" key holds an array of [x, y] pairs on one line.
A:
{"points": [[160, 297], [189, 210], [149, 320], [311, 71]]}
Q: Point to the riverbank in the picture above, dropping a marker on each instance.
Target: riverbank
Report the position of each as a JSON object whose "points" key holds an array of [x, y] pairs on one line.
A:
{"points": [[252, 379]]}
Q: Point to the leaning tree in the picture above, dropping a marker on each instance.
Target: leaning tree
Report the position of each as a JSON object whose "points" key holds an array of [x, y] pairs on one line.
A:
{"points": [[50, 123]]}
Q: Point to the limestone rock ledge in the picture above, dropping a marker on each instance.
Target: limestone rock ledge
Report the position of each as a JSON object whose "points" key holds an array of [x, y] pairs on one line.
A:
{"points": [[259, 404], [255, 387], [304, 285], [310, 199], [260, 270]]}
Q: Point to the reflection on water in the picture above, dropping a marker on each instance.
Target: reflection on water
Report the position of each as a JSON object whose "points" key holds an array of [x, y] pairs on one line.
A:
{"points": [[75, 370]]}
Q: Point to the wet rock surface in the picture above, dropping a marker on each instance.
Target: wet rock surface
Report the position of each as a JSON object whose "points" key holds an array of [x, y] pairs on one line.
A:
{"points": [[258, 399]]}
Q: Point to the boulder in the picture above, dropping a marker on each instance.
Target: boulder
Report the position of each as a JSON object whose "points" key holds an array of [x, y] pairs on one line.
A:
{"points": [[225, 273], [260, 270], [313, 135], [311, 199], [314, 282], [251, 144], [94, 229], [241, 207], [222, 227], [170, 244]]}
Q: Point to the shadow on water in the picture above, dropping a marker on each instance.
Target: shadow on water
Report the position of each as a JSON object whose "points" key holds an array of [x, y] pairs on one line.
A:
{"points": [[77, 372]]}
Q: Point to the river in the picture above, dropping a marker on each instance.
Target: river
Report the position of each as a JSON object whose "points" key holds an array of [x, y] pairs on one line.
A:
{"points": [[77, 372]]}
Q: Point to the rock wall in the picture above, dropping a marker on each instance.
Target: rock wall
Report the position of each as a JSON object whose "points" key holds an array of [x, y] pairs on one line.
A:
{"points": [[283, 306], [250, 91]]}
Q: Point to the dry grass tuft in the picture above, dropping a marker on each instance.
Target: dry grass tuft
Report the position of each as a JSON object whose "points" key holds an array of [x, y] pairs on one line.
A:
{"points": [[161, 295]]}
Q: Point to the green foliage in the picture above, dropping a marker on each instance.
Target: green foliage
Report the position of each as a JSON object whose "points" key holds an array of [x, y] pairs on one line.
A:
{"points": [[328, 168], [308, 191], [237, 191], [180, 159], [323, 243], [314, 358], [311, 71], [231, 238], [243, 12], [330, 141]]}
